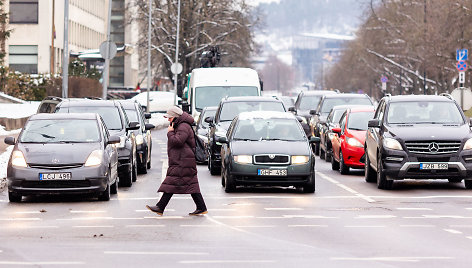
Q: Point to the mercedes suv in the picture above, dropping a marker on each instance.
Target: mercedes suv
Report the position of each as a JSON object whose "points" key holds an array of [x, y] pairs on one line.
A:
{"points": [[418, 137]]}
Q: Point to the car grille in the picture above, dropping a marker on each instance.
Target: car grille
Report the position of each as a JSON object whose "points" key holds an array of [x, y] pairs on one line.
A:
{"points": [[64, 166], [433, 147], [272, 159], [55, 184]]}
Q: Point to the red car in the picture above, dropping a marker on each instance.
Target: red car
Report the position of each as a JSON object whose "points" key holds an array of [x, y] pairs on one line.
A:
{"points": [[348, 144]]}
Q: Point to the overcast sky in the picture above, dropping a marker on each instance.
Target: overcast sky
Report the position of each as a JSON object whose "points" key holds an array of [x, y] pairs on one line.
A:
{"points": [[256, 2]]}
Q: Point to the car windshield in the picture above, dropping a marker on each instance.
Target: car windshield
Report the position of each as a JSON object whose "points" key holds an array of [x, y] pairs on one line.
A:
{"points": [[132, 115], [337, 115], [60, 130], [211, 96], [309, 102], [269, 129], [110, 114], [359, 120], [424, 112], [204, 115], [288, 101], [329, 103], [231, 109]]}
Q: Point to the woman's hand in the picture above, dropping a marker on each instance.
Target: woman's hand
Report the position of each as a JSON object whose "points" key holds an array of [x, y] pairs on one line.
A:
{"points": [[170, 127]]}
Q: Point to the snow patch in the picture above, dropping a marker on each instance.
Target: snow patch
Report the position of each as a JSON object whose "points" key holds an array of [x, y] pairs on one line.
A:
{"points": [[18, 110]]}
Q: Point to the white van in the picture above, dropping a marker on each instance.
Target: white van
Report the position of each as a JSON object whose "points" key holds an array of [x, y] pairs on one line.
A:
{"points": [[207, 86]]}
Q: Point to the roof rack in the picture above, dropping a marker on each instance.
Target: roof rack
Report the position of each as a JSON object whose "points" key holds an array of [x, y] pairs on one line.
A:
{"points": [[447, 95]]}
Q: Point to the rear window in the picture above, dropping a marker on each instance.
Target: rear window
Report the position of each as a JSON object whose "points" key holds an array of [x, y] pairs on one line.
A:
{"points": [[359, 120], [57, 131], [309, 102], [132, 115], [231, 109], [269, 129], [110, 114]]}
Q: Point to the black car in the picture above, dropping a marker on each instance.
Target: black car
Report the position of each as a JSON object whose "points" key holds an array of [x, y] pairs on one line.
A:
{"points": [[63, 154], [306, 101], [327, 102], [203, 127], [418, 137], [227, 110], [135, 113], [267, 148], [118, 124], [326, 130]]}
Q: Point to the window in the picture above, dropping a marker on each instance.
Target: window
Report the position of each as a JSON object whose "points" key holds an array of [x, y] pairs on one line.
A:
{"points": [[24, 59], [24, 11]]}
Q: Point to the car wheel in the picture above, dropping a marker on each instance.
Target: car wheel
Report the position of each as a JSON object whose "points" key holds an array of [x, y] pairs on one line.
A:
{"points": [[317, 149], [342, 166], [230, 186], [334, 164], [309, 187], [369, 172], [127, 180], [223, 176], [14, 197], [143, 167], [114, 186], [211, 165], [468, 184], [322, 154], [454, 180], [382, 182], [135, 170], [148, 164], [105, 195], [327, 156]]}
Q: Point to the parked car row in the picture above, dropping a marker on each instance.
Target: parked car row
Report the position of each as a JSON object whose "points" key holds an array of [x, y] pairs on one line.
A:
{"points": [[79, 146]]}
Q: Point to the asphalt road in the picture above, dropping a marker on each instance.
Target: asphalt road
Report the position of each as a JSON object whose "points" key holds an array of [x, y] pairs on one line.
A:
{"points": [[346, 223]]}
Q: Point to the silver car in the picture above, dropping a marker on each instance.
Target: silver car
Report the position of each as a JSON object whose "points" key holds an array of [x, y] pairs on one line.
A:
{"points": [[63, 154]]}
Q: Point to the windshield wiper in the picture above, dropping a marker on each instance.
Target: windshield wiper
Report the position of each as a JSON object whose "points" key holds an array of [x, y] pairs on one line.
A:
{"points": [[356, 129], [241, 139]]}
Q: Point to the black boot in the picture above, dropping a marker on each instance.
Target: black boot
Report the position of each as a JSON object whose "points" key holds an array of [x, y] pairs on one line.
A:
{"points": [[198, 212], [155, 209]]}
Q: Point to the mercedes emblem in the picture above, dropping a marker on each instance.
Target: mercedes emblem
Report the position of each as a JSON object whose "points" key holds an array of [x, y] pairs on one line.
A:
{"points": [[433, 147]]}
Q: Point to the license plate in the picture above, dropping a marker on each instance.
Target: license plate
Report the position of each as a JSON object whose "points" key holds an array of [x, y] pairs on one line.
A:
{"points": [[54, 176], [272, 172], [424, 166]]}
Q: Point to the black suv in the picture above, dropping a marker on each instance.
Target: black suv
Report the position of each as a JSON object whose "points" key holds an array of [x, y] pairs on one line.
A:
{"points": [[227, 110], [118, 124], [418, 137], [327, 102], [135, 113]]}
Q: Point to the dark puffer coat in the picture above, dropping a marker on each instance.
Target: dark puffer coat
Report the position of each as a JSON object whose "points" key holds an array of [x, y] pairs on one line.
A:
{"points": [[181, 177]]}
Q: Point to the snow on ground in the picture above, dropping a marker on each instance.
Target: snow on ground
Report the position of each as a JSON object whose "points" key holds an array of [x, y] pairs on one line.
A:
{"points": [[4, 157], [18, 110]]}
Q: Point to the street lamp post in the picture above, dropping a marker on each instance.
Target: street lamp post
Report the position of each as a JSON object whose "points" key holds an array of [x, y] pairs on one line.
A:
{"points": [[65, 52], [149, 55], [106, 69], [177, 46]]}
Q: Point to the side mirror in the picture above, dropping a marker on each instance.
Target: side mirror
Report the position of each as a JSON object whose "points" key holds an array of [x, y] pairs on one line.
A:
{"points": [[133, 126], [314, 139], [312, 112], [185, 106], [374, 123], [147, 115], [337, 130], [210, 120], [113, 140], [149, 126], [292, 109], [222, 140], [9, 140], [299, 118]]}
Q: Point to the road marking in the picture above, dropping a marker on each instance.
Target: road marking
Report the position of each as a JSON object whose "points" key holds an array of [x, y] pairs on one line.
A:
{"points": [[446, 217], [417, 225], [255, 226], [222, 209], [393, 259], [93, 226], [274, 217], [452, 231], [309, 217], [414, 209], [145, 226], [278, 209], [307, 225], [468, 208], [20, 219], [233, 217], [168, 218], [469, 237], [365, 226], [85, 219], [226, 261], [39, 263], [375, 217], [36, 227], [147, 210], [154, 253], [460, 226], [87, 211], [335, 182], [28, 212], [200, 225]]}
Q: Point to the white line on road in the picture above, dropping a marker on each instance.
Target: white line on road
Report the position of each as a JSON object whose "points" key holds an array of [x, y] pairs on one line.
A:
{"points": [[335, 182], [375, 217], [145, 226], [39, 263], [93, 226], [154, 253], [147, 210], [221, 209], [28, 212], [452, 231], [414, 209], [168, 217], [35, 227], [309, 217], [200, 225], [417, 225], [394, 259], [227, 261], [87, 211], [233, 217], [273, 217], [255, 226], [20, 219], [460, 226], [307, 225], [365, 226], [278, 209], [468, 208], [469, 237]]}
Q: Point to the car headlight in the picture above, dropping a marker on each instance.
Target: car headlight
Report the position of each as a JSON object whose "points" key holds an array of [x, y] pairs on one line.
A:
{"points": [[94, 159], [392, 144], [203, 137], [300, 159], [18, 159], [122, 142], [139, 139], [243, 159], [468, 144], [355, 143]]}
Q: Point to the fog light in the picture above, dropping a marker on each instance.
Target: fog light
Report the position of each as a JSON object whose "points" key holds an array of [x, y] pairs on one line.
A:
{"points": [[392, 158]]}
